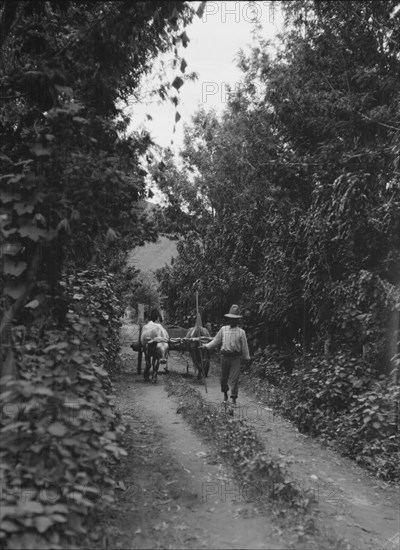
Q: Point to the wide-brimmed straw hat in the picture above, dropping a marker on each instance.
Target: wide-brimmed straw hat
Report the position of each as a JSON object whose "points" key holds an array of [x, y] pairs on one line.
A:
{"points": [[233, 312]]}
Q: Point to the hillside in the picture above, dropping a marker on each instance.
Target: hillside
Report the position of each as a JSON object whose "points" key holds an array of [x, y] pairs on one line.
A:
{"points": [[152, 256]]}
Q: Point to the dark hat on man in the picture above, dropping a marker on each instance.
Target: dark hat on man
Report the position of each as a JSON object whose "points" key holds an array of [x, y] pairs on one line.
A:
{"points": [[233, 312]]}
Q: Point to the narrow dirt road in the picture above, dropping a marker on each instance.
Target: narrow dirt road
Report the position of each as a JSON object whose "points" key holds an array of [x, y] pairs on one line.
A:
{"points": [[351, 503], [177, 493]]}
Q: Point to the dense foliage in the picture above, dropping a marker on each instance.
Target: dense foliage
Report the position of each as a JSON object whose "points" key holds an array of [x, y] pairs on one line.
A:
{"points": [[340, 400], [70, 181], [291, 198], [144, 290], [59, 425]]}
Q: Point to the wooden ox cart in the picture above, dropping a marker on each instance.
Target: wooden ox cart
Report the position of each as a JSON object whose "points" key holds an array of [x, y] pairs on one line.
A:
{"points": [[177, 342], [187, 344]]}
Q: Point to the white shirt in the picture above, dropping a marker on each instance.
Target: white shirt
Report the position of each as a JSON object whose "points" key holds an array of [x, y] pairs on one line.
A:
{"points": [[232, 340]]}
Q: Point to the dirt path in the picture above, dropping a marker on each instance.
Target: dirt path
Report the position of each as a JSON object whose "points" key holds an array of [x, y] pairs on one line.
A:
{"points": [[351, 503], [177, 493]]}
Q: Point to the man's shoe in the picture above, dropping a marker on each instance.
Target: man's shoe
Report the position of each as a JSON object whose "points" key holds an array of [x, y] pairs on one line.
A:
{"points": [[225, 396], [233, 401]]}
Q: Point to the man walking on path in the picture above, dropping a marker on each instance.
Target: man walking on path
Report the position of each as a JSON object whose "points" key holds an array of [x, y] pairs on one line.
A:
{"points": [[233, 343]]}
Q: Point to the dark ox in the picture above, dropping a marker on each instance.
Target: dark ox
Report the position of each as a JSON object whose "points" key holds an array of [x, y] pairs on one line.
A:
{"points": [[199, 358], [154, 340]]}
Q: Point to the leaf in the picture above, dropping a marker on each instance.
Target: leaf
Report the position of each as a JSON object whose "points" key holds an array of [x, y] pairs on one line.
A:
{"points": [[183, 65], [59, 508], [40, 151], [59, 518], [177, 83], [23, 208], [11, 267], [42, 523], [80, 119], [33, 304], [7, 232], [6, 196], [42, 390], [5, 158], [39, 218], [32, 232], [111, 236], [61, 345], [64, 226], [31, 507], [57, 429], [9, 526], [200, 9], [185, 39], [15, 291], [100, 371], [177, 117], [75, 216], [7, 511]]}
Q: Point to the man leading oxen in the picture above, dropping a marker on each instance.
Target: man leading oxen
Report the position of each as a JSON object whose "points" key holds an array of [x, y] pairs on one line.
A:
{"points": [[154, 341], [200, 358]]}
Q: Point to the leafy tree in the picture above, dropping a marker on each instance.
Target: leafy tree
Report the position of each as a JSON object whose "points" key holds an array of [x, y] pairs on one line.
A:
{"points": [[145, 291], [294, 196], [70, 181], [70, 172]]}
